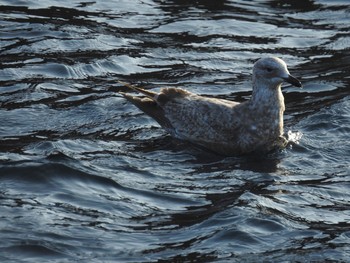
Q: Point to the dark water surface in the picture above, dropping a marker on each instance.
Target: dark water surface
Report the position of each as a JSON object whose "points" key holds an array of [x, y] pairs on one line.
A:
{"points": [[86, 177]]}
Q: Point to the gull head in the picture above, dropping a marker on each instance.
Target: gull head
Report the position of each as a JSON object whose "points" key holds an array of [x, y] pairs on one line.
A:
{"points": [[272, 72]]}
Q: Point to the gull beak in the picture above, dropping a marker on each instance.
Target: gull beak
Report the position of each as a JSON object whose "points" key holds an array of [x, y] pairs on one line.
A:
{"points": [[292, 80]]}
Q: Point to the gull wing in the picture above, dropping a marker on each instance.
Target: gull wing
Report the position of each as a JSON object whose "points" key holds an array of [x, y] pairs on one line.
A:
{"points": [[209, 122]]}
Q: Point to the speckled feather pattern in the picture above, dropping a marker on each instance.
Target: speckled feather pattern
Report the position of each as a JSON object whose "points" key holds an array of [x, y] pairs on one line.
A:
{"points": [[223, 126]]}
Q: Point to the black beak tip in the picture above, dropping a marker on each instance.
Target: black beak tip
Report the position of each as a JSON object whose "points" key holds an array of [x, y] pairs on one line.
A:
{"points": [[298, 84], [294, 81]]}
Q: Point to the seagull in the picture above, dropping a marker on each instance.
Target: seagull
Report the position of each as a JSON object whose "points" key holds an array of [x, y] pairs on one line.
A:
{"points": [[225, 127]]}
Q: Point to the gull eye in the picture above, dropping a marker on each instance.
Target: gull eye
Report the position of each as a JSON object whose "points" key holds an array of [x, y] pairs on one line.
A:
{"points": [[269, 69]]}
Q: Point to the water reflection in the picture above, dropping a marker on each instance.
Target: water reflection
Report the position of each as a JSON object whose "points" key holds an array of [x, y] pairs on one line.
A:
{"points": [[178, 6], [84, 175], [305, 6]]}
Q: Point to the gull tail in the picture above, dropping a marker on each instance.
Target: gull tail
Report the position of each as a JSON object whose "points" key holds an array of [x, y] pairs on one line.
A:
{"points": [[147, 104], [150, 94]]}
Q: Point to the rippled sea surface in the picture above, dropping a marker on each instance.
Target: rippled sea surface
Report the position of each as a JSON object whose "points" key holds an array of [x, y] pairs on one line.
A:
{"points": [[87, 177]]}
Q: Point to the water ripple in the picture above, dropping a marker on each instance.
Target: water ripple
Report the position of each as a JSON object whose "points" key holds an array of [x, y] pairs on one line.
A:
{"points": [[86, 176]]}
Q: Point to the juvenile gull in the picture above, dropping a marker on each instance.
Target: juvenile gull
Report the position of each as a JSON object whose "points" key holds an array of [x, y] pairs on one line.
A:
{"points": [[223, 126]]}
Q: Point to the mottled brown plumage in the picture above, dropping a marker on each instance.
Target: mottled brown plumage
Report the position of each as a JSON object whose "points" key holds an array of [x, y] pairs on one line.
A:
{"points": [[223, 126]]}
